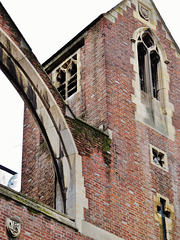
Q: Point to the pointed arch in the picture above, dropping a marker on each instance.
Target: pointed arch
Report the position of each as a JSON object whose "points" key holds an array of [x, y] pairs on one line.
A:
{"points": [[151, 84], [32, 88]]}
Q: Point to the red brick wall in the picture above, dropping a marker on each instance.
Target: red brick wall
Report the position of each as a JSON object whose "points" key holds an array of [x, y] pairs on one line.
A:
{"points": [[37, 166], [94, 82], [121, 195], [92, 98], [34, 226]]}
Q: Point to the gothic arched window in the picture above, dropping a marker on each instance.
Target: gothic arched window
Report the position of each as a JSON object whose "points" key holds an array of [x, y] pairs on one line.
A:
{"points": [[151, 82], [148, 60]]}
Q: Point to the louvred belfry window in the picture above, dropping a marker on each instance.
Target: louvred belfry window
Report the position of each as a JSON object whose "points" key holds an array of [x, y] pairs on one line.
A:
{"points": [[148, 60], [67, 77]]}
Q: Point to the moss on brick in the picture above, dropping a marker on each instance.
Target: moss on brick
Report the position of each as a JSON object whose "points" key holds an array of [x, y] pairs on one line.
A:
{"points": [[88, 138]]}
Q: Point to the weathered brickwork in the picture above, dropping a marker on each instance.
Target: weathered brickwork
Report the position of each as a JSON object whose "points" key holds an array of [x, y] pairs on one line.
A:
{"points": [[38, 177], [121, 184], [123, 202], [34, 224], [121, 195]]}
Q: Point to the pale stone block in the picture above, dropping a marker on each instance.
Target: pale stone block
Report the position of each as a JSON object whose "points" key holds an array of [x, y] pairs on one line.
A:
{"points": [[128, 3], [114, 13], [177, 54], [134, 2], [132, 60], [136, 84], [97, 233], [7, 42], [172, 45], [119, 10], [146, 23], [170, 106], [123, 6], [136, 100], [54, 140], [110, 18], [31, 71], [146, 3], [171, 132], [58, 117], [66, 169], [109, 133], [24, 81], [76, 201], [68, 141], [167, 35], [45, 118]]}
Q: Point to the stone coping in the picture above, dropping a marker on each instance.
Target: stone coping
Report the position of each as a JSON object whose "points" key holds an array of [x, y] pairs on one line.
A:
{"points": [[37, 206]]}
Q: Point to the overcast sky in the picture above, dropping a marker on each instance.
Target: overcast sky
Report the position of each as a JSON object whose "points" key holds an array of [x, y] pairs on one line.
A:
{"points": [[47, 26]]}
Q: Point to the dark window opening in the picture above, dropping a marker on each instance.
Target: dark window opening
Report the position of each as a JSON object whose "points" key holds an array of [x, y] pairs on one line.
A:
{"points": [[41, 139], [158, 157], [65, 65], [164, 214], [67, 77], [141, 59], [72, 85], [73, 69], [154, 71], [147, 40], [148, 60], [61, 77]]}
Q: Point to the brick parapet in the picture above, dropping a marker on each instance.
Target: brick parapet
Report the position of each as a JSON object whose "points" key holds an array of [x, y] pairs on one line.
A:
{"points": [[38, 221]]}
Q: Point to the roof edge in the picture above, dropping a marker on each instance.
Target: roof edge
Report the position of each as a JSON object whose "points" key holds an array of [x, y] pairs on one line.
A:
{"points": [[95, 21], [72, 40], [19, 32], [165, 26]]}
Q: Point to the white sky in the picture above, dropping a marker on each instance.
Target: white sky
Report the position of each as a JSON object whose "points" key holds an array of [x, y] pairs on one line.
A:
{"points": [[47, 26]]}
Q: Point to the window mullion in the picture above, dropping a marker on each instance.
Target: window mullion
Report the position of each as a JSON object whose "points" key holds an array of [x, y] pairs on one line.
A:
{"points": [[149, 74], [67, 79]]}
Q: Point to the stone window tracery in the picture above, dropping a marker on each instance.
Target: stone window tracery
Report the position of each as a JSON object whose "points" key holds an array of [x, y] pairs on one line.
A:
{"points": [[67, 77], [151, 82], [159, 158], [148, 59]]}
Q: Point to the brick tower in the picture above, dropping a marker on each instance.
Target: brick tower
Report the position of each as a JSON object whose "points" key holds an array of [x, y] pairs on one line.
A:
{"points": [[117, 85]]}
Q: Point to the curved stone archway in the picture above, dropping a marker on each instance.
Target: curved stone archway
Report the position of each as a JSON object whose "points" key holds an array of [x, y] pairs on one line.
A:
{"points": [[35, 93], [32, 88]]}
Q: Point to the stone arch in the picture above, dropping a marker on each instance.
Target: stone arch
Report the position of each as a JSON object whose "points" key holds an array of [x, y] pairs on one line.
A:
{"points": [[32, 88], [157, 41]]}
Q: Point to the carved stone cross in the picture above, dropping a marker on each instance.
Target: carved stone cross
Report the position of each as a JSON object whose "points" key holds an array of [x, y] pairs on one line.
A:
{"points": [[164, 214]]}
